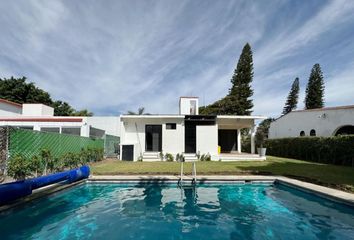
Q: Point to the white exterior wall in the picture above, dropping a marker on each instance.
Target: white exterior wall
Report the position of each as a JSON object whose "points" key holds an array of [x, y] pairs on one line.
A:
{"points": [[133, 132], [324, 122], [37, 110], [7, 110], [207, 139], [111, 125], [173, 139]]}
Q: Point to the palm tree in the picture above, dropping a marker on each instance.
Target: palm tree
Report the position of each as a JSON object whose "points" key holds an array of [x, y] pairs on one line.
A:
{"points": [[141, 111]]}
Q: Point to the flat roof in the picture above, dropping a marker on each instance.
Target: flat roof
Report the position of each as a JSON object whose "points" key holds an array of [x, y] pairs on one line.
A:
{"points": [[240, 117], [188, 97], [178, 116], [41, 119], [152, 116]]}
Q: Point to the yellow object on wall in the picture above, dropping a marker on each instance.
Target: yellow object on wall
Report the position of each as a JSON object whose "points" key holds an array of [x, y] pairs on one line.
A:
{"points": [[219, 149]]}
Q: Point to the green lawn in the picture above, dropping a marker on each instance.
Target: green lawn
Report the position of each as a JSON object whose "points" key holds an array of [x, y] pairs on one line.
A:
{"points": [[328, 175]]}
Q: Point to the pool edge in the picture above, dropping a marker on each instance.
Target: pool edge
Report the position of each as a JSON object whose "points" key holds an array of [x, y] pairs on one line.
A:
{"points": [[321, 191]]}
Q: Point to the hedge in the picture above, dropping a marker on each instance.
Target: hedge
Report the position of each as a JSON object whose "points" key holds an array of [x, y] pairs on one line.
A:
{"points": [[334, 150]]}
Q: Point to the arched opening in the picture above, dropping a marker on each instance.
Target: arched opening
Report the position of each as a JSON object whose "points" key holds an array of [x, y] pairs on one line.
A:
{"points": [[345, 130], [302, 133], [313, 132]]}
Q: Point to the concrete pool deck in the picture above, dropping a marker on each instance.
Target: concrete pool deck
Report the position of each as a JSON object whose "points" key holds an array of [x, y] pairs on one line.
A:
{"points": [[325, 192]]}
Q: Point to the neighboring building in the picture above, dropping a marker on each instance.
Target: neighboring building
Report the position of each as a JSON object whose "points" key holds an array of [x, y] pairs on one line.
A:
{"points": [[8, 108], [145, 136], [322, 122], [40, 117]]}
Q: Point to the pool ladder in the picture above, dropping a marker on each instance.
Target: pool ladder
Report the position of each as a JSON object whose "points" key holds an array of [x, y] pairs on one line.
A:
{"points": [[194, 174]]}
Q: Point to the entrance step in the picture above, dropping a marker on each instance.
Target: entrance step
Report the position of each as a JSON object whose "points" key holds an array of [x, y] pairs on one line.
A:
{"points": [[190, 157], [151, 156]]}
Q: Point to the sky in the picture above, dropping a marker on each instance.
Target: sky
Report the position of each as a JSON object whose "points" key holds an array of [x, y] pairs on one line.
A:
{"points": [[115, 56]]}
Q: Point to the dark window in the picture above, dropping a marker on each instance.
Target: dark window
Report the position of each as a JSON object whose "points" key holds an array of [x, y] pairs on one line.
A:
{"points": [[302, 133], [153, 138], [26, 127], [50, 129], [170, 125], [345, 130], [313, 132], [71, 130], [128, 152]]}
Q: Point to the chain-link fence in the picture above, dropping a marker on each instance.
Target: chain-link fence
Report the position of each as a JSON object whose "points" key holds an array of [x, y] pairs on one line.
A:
{"points": [[111, 145], [4, 137], [29, 143]]}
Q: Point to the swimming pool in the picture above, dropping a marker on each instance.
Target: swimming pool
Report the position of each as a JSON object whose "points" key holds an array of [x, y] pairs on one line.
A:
{"points": [[165, 211]]}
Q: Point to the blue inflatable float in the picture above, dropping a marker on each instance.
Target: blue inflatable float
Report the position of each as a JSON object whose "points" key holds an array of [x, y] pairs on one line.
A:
{"points": [[15, 190]]}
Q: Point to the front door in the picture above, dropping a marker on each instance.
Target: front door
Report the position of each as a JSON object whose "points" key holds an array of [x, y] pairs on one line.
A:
{"points": [[153, 138], [190, 137]]}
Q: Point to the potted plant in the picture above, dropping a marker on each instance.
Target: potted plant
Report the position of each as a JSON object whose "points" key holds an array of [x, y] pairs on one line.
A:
{"points": [[260, 137]]}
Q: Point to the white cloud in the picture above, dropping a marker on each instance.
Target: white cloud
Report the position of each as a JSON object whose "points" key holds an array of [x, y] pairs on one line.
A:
{"points": [[120, 55]]}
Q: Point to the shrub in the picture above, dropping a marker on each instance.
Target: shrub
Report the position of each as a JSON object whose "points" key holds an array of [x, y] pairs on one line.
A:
{"points": [[337, 150], [180, 157], [161, 156], [205, 157], [19, 167], [198, 155], [246, 144], [37, 166], [169, 157], [47, 160]]}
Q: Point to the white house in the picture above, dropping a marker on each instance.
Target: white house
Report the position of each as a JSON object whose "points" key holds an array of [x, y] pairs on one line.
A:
{"points": [[40, 117], [146, 136], [323, 122]]}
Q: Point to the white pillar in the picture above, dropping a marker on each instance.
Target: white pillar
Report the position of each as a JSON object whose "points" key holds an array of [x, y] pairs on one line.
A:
{"points": [[36, 127], [85, 130], [239, 140], [253, 133]]}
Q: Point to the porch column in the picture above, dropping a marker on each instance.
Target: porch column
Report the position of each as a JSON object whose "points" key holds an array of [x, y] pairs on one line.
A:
{"points": [[253, 133], [239, 140]]}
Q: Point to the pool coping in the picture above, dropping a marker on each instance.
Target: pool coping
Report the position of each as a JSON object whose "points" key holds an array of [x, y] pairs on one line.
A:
{"points": [[321, 191]]}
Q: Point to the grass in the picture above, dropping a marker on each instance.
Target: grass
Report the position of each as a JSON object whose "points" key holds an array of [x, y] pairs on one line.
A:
{"points": [[328, 175]]}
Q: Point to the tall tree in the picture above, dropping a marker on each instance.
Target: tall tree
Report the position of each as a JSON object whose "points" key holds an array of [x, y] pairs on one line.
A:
{"points": [[315, 89], [238, 101], [241, 91], [291, 101]]}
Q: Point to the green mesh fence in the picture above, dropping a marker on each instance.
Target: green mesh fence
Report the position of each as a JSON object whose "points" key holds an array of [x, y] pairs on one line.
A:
{"points": [[111, 145], [30, 143]]}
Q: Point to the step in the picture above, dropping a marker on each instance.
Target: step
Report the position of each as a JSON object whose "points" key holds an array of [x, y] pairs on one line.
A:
{"points": [[151, 155], [190, 157], [151, 160]]}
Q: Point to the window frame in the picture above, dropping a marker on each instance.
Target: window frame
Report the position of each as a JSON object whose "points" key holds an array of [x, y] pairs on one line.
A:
{"points": [[172, 126]]}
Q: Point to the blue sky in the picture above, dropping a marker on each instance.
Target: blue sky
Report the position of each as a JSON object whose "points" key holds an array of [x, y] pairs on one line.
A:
{"points": [[115, 56]]}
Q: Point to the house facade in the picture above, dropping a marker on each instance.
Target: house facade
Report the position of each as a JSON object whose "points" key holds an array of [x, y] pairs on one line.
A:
{"points": [[322, 122], [40, 117], [146, 136]]}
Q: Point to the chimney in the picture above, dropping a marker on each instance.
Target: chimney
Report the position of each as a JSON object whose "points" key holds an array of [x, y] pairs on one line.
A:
{"points": [[188, 106]]}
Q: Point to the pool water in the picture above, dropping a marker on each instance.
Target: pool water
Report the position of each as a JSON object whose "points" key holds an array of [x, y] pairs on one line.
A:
{"points": [[165, 211]]}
